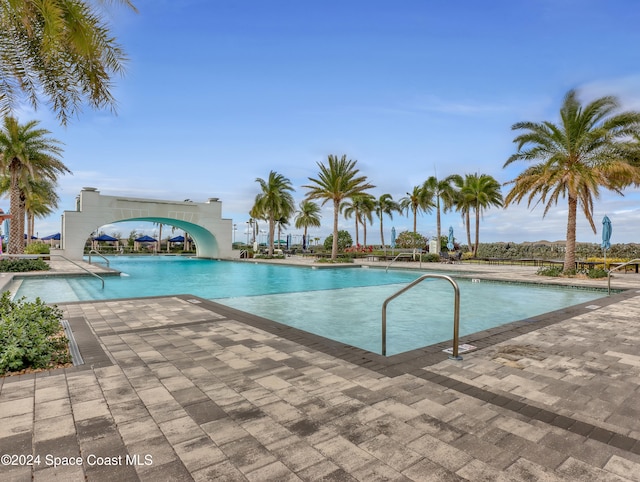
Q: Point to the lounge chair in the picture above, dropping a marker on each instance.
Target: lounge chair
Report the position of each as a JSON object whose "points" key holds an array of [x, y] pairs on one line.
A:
{"points": [[444, 257]]}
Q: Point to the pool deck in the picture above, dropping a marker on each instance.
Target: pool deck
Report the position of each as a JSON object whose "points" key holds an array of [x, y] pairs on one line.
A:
{"points": [[205, 392]]}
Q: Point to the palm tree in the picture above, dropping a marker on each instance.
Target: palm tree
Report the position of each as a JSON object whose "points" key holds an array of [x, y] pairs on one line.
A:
{"points": [[420, 199], [275, 201], [480, 192], [386, 205], [26, 153], [60, 49], [357, 207], [591, 147], [307, 216], [463, 204], [337, 180], [444, 194], [40, 202]]}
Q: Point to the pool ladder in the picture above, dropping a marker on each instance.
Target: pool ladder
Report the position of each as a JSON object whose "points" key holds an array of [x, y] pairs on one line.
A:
{"points": [[456, 311]]}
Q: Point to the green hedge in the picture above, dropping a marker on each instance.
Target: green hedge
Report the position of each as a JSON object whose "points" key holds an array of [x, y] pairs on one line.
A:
{"points": [[21, 265], [31, 335]]}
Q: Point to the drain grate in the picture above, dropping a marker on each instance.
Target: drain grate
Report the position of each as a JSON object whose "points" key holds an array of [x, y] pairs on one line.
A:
{"points": [[73, 346]]}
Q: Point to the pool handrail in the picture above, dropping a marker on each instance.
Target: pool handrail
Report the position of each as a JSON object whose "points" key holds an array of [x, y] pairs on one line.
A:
{"points": [[32, 256], [404, 255], [636, 260], [93, 251], [456, 311]]}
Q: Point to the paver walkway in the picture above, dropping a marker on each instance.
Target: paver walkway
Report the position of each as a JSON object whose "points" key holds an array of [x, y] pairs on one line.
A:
{"points": [[177, 388]]}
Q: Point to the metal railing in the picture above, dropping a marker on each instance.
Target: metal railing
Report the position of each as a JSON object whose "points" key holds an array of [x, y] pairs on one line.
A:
{"points": [[81, 267], [32, 256], [93, 251], [456, 311], [615, 269], [405, 255]]}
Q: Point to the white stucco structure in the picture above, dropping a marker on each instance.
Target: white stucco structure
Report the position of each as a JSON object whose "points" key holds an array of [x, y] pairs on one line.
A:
{"points": [[203, 221]]}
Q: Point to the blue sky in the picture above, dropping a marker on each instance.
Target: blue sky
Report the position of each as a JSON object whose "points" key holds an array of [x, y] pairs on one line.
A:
{"points": [[218, 93]]}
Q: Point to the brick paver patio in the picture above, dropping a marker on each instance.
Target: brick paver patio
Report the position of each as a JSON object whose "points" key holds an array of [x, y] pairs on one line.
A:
{"points": [[178, 388]]}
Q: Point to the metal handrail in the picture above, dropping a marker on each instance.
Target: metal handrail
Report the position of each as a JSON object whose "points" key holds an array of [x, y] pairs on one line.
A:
{"points": [[405, 255], [60, 256], [456, 311], [81, 267], [615, 269], [97, 253]]}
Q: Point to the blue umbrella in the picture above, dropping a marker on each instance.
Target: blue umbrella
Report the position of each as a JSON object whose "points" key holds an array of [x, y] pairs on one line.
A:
{"points": [[606, 237], [450, 244], [393, 237]]}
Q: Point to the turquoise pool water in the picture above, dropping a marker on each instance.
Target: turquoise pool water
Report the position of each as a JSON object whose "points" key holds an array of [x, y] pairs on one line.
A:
{"points": [[343, 304]]}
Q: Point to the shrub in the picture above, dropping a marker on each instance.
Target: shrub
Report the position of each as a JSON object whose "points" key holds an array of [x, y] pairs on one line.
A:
{"points": [[554, 271], [409, 239], [344, 241], [596, 273], [430, 257], [37, 248], [31, 335], [20, 265]]}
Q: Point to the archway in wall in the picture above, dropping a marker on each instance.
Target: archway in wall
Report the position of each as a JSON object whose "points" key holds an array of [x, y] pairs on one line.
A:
{"points": [[203, 221], [201, 237]]}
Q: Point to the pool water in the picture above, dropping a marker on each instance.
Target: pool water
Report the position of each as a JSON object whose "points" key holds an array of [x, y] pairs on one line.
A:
{"points": [[344, 304]]}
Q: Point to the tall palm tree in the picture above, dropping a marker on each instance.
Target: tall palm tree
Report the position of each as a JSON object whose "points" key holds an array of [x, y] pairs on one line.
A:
{"points": [[61, 50], [386, 205], [41, 200], [274, 201], [26, 153], [337, 180], [463, 204], [307, 216], [591, 147], [444, 194], [357, 206], [481, 192], [420, 199], [367, 208]]}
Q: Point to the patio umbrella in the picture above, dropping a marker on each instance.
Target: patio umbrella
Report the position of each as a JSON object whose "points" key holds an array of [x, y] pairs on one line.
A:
{"points": [[606, 237], [393, 237], [304, 241], [55, 237], [450, 244], [145, 239]]}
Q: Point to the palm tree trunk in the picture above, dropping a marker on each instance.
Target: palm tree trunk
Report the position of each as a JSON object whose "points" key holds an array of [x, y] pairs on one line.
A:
{"points": [[415, 220], [570, 252], [364, 233], [475, 249], [30, 227], [467, 222], [382, 234], [16, 225], [334, 245], [438, 226], [272, 229]]}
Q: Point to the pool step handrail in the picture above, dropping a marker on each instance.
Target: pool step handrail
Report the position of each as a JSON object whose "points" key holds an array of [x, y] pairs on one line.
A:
{"points": [[456, 311], [615, 269], [404, 255], [93, 251], [79, 266]]}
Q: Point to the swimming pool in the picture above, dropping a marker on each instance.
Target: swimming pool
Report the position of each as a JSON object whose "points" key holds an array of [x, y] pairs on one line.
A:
{"points": [[343, 304]]}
